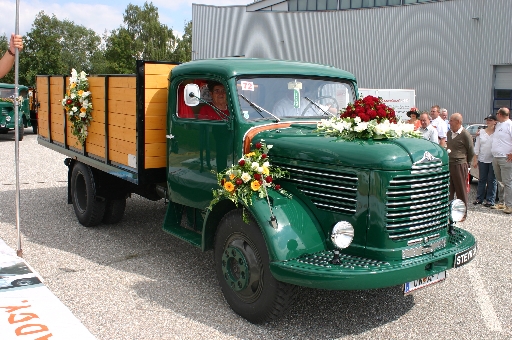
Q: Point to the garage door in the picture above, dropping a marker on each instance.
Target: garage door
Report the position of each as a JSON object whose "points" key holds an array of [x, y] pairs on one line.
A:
{"points": [[503, 87]]}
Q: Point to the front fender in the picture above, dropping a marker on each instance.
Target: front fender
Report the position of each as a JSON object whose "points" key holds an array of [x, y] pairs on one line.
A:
{"points": [[298, 232]]}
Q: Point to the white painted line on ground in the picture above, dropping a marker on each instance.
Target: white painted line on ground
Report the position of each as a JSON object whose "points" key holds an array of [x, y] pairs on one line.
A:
{"points": [[484, 300]]}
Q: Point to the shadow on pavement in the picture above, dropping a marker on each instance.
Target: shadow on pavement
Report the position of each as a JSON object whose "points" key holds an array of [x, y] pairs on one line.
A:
{"points": [[182, 277]]}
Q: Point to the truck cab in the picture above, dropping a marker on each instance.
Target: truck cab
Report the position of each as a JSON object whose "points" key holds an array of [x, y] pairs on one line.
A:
{"points": [[7, 115], [391, 194]]}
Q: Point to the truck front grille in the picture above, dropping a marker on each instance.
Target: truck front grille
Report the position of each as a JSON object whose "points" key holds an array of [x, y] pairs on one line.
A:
{"points": [[417, 204], [327, 190]]}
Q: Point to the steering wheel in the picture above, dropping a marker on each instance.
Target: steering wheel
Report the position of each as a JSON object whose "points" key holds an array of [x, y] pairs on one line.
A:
{"points": [[330, 101]]}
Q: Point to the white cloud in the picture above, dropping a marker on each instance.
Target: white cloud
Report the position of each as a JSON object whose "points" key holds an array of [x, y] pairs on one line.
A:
{"points": [[97, 15]]}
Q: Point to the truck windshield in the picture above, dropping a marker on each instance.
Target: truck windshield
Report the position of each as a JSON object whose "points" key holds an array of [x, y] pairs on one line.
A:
{"points": [[289, 97], [6, 93]]}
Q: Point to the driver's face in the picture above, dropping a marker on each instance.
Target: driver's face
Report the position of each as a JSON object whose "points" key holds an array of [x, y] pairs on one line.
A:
{"points": [[218, 95]]}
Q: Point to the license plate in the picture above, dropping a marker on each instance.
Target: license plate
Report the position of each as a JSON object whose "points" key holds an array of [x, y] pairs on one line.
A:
{"points": [[423, 282], [464, 256]]}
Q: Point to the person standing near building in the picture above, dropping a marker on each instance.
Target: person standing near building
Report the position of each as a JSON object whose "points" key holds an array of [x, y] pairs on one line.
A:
{"points": [[502, 159], [483, 160], [444, 116], [428, 131], [460, 153], [439, 124]]}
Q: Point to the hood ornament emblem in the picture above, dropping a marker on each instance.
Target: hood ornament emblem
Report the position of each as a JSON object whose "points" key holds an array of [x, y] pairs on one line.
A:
{"points": [[427, 157]]}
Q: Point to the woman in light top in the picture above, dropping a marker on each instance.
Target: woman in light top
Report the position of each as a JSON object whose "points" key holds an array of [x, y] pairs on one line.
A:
{"points": [[483, 158]]}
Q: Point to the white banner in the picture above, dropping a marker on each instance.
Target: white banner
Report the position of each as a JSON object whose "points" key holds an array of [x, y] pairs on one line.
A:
{"points": [[28, 310]]}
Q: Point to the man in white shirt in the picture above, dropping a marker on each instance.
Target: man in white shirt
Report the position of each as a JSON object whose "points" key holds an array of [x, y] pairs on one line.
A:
{"points": [[502, 159], [444, 116], [428, 131], [439, 124]]}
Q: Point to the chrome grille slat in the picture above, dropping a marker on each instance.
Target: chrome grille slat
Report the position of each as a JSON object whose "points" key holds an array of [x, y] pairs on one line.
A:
{"points": [[410, 192], [321, 184], [417, 203], [326, 195], [327, 190]]}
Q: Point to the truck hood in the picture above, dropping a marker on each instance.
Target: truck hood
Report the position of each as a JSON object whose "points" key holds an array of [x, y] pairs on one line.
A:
{"points": [[305, 144]]}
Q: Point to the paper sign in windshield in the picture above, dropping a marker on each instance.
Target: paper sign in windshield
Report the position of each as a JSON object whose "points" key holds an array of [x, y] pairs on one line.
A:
{"points": [[247, 85]]}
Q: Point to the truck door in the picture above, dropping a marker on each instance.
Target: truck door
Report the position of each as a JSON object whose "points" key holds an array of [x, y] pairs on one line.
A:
{"points": [[201, 143]]}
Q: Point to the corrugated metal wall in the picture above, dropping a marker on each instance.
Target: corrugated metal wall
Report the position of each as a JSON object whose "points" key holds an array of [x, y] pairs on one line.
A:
{"points": [[438, 49]]}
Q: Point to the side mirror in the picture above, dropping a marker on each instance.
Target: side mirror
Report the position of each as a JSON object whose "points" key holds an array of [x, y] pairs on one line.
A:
{"points": [[192, 94]]}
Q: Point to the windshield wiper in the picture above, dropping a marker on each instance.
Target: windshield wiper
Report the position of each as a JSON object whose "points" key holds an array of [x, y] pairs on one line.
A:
{"points": [[259, 109], [318, 106]]}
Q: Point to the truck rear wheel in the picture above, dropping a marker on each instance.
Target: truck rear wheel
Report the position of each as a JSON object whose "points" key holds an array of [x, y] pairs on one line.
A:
{"points": [[89, 209], [242, 266], [114, 210]]}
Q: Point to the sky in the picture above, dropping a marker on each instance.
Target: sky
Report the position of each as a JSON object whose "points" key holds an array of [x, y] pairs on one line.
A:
{"points": [[99, 15]]}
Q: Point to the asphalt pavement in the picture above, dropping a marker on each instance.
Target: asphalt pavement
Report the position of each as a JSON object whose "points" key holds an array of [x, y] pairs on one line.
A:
{"points": [[131, 280]]}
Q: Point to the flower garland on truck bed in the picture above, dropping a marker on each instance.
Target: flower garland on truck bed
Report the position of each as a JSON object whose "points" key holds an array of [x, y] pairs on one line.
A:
{"points": [[367, 118], [78, 105]]}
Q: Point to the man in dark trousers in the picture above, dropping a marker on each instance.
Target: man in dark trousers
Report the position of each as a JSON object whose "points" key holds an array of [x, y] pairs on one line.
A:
{"points": [[460, 153]]}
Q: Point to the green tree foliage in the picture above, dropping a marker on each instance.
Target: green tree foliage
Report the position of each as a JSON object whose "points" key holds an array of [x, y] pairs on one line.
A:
{"points": [[55, 47], [183, 52], [142, 37]]}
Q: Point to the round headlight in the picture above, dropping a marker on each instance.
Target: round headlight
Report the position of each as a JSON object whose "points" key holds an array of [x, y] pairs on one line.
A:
{"points": [[8, 119], [458, 210], [342, 234]]}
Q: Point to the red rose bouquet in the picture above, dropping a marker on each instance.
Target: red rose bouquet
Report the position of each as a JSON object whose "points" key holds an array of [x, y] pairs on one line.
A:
{"points": [[367, 118]]}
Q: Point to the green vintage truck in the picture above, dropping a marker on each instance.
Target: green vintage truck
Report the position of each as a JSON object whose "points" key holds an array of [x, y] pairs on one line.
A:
{"points": [[359, 214], [25, 118]]}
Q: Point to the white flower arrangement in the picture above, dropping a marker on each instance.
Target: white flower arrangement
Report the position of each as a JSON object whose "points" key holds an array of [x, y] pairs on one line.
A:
{"points": [[78, 105]]}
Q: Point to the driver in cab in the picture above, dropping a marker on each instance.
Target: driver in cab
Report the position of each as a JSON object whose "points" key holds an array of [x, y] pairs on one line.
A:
{"points": [[218, 95]]}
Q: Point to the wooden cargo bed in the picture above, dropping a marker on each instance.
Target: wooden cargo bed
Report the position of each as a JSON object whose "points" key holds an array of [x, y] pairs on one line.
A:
{"points": [[127, 135]]}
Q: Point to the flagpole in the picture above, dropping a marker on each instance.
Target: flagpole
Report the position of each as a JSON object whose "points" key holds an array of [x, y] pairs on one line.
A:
{"points": [[19, 251]]}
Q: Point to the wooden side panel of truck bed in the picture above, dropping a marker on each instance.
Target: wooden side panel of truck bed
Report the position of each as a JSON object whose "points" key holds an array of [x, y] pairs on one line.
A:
{"points": [[132, 111]]}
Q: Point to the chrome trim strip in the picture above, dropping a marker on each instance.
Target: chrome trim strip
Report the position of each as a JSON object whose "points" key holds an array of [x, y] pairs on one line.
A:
{"points": [[320, 174], [344, 198], [321, 184], [334, 207], [423, 249], [404, 235]]}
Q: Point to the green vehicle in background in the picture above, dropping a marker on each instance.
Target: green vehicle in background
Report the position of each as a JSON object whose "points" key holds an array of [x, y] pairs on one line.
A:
{"points": [[25, 118], [362, 214]]}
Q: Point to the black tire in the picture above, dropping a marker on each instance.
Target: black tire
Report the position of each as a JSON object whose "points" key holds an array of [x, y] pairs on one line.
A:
{"points": [[34, 128], [242, 267], [89, 209], [114, 210], [21, 133]]}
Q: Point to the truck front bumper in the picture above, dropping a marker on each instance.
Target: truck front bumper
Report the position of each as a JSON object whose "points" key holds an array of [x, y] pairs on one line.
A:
{"points": [[355, 273]]}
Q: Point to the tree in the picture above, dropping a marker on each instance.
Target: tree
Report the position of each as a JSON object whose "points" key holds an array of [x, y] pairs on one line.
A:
{"points": [[142, 37], [183, 52], [55, 47]]}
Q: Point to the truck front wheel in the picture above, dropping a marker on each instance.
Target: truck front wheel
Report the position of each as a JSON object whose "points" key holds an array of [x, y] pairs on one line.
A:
{"points": [[89, 209], [242, 266]]}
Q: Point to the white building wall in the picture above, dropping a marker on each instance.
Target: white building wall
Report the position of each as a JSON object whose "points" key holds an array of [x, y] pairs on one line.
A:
{"points": [[439, 49]]}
